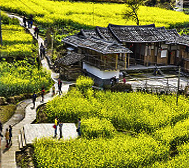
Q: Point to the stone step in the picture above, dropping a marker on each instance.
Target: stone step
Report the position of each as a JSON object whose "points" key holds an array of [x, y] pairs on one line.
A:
{"points": [[20, 141], [23, 137]]}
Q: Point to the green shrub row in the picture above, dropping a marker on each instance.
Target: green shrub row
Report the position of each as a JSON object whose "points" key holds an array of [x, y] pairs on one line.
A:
{"points": [[21, 77], [95, 128], [128, 111], [121, 151], [174, 135]]}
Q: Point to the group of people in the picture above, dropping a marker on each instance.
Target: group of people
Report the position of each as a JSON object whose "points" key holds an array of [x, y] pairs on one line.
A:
{"points": [[30, 24], [8, 134], [59, 88], [34, 96], [29, 21], [57, 123]]}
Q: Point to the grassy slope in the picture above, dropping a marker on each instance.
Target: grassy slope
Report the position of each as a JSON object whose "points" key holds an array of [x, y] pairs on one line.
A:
{"points": [[6, 112]]}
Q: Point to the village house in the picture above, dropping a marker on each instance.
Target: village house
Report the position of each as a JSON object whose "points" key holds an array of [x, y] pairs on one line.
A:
{"points": [[99, 58], [104, 52]]}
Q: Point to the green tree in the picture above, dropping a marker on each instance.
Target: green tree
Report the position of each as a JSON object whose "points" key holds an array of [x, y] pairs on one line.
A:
{"points": [[132, 7]]}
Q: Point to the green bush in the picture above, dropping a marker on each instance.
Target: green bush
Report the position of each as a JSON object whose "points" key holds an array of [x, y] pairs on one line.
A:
{"points": [[179, 161], [70, 107], [174, 135], [95, 127], [120, 151], [83, 83], [128, 111]]}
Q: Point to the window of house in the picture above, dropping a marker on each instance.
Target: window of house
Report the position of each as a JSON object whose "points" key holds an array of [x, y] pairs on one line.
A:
{"points": [[156, 51], [177, 53], [149, 50], [163, 53]]}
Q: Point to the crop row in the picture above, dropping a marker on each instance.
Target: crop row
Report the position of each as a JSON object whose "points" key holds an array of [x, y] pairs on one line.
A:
{"points": [[130, 111], [21, 77], [174, 135], [121, 151], [180, 161], [16, 42]]}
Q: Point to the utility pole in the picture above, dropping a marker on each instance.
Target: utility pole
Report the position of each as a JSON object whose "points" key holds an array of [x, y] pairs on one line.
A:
{"points": [[178, 86], [0, 29]]}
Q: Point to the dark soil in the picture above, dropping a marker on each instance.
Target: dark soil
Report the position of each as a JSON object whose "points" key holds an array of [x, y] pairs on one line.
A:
{"points": [[24, 158], [41, 116]]}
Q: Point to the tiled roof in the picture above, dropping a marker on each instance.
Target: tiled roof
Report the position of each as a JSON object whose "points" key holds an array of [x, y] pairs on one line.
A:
{"points": [[170, 35], [70, 58], [100, 38], [88, 33], [183, 40], [96, 44], [136, 34], [105, 34]]}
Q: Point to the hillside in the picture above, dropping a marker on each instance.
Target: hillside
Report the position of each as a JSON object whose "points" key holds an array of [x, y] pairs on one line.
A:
{"points": [[81, 15]]}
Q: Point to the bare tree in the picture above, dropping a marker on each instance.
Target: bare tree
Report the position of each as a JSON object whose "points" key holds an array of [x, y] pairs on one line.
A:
{"points": [[132, 7]]}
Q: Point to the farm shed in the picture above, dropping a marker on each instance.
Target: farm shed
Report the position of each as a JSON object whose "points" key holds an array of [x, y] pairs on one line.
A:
{"points": [[102, 59], [70, 65]]}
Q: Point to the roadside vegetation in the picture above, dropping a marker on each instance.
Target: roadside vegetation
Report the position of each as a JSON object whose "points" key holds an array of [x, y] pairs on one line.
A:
{"points": [[6, 112]]}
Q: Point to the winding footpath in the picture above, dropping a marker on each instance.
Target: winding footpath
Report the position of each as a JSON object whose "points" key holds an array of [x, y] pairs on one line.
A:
{"points": [[24, 114]]}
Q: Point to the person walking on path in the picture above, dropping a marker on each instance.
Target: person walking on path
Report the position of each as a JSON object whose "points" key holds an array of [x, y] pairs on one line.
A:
{"points": [[59, 86], [42, 48], [10, 134], [53, 90], [30, 21], [55, 126], [34, 96], [79, 127], [36, 31], [124, 80], [113, 81], [60, 128], [24, 20], [7, 138], [42, 93]]}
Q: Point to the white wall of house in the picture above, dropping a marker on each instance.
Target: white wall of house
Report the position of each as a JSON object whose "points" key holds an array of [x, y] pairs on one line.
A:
{"points": [[101, 74]]}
